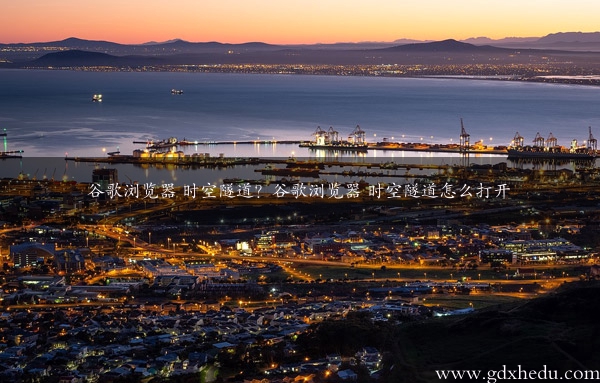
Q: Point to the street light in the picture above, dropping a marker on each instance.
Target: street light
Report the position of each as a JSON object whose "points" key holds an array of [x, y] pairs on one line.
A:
{"points": [[149, 238], [168, 243]]}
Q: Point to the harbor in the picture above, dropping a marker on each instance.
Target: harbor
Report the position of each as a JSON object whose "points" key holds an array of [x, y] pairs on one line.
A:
{"points": [[341, 152]]}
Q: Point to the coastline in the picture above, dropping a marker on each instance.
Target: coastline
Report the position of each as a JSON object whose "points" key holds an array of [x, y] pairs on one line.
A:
{"points": [[399, 71]]}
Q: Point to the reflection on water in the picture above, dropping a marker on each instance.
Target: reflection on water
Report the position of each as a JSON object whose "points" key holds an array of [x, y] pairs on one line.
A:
{"points": [[57, 168]]}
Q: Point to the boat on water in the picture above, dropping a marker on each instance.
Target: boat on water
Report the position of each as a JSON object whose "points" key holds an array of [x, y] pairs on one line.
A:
{"points": [[549, 148], [9, 153], [97, 98], [176, 91]]}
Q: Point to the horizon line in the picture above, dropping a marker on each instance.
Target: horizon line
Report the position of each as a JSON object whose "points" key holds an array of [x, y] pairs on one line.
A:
{"points": [[152, 42]]}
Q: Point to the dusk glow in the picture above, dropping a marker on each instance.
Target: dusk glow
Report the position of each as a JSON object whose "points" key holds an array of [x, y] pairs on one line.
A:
{"points": [[275, 22]]}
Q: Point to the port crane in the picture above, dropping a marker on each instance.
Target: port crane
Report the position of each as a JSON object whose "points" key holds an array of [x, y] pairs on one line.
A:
{"points": [[592, 143], [333, 135], [517, 141], [465, 138], [319, 132], [358, 135], [538, 140]]}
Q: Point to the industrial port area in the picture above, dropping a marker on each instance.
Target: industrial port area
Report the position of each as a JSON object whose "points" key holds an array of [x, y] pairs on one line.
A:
{"points": [[106, 280]]}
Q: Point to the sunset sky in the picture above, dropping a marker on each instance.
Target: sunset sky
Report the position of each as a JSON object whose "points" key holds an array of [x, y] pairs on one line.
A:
{"points": [[291, 22]]}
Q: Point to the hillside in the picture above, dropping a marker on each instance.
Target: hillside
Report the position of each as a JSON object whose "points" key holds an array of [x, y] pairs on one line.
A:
{"points": [[559, 330]]}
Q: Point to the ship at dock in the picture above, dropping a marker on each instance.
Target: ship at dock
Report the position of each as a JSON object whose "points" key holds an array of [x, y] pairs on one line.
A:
{"points": [[549, 148], [330, 140], [8, 153]]}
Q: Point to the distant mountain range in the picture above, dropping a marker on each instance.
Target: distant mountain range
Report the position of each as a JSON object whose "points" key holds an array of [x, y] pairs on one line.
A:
{"points": [[79, 52], [568, 41], [563, 41]]}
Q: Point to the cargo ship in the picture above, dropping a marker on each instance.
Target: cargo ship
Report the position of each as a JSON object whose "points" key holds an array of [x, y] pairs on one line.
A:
{"points": [[549, 148], [9, 153]]}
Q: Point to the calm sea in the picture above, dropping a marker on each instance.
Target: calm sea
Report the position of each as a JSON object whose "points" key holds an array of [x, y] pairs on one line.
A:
{"points": [[51, 114]]}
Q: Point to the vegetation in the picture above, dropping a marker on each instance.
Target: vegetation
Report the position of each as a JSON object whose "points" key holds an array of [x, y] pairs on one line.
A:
{"points": [[559, 330]]}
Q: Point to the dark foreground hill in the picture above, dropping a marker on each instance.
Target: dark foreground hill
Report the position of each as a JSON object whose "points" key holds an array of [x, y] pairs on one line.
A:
{"points": [[560, 331], [79, 58]]}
